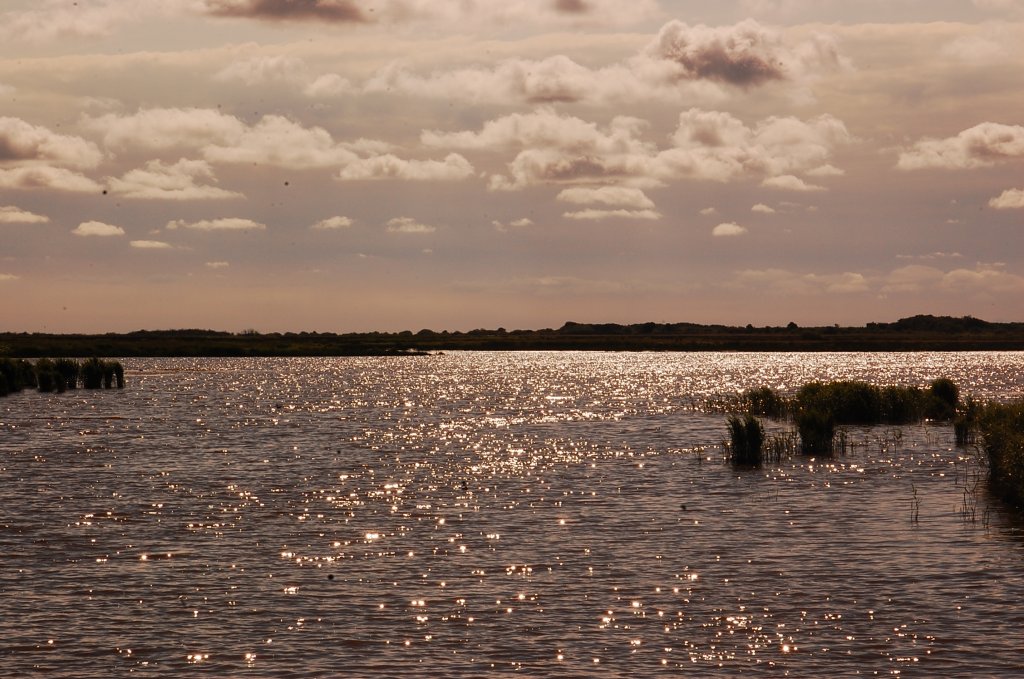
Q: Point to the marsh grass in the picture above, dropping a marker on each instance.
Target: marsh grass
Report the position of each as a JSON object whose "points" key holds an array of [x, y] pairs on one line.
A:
{"points": [[746, 437], [1001, 430]]}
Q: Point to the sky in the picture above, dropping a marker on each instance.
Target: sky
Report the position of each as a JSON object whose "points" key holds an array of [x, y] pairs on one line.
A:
{"points": [[349, 166]]}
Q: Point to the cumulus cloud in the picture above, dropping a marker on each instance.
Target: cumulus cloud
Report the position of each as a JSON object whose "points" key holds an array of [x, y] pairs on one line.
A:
{"points": [[682, 63], [97, 229], [728, 229], [218, 265], [328, 85], [10, 214], [8, 277], [165, 128], [332, 223], [225, 224], [389, 166], [607, 214], [409, 225], [264, 69], [620, 196], [21, 142], [563, 149], [278, 141], [983, 278], [983, 145], [763, 209], [1008, 199], [150, 245], [788, 182], [46, 177], [783, 282], [520, 223], [170, 182], [717, 145]]}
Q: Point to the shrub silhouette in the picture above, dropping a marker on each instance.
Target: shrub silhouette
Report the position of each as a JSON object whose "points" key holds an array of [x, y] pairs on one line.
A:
{"points": [[747, 439]]}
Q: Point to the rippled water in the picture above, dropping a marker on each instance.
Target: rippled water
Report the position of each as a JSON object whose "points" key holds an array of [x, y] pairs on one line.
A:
{"points": [[483, 513]]}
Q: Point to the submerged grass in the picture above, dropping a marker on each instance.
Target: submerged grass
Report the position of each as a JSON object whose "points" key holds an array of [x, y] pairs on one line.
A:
{"points": [[49, 375], [1001, 429]]}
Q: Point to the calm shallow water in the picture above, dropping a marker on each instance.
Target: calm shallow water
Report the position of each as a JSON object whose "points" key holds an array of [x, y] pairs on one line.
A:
{"points": [[562, 514]]}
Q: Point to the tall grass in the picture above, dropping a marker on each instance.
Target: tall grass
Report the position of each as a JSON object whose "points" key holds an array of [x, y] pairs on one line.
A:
{"points": [[1001, 428], [58, 375], [747, 441]]}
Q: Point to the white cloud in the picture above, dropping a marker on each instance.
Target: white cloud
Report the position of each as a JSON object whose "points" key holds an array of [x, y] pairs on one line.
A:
{"points": [[983, 278], [408, 225], [1008, 199], [151, 245], [388, 166], [278, 141], [218, 265], [225, 224], [23, 142], [54, 19], [170, 182], [607, 214], [783, 282], [165, 128], [681, 64], [97, 229], [261, 70], [709, 211], [328, 85], [333, 223], [788, 182], [983, 145], [619, 196], [763, 209], [8, 277], [728, 229], [46, 177], [10, 214]]}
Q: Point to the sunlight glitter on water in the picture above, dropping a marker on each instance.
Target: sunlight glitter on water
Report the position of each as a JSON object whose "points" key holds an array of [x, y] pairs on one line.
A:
{"points": [[493, 512]]}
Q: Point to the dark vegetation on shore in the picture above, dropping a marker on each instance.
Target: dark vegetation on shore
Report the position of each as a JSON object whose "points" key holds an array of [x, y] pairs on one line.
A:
{"points": [[918, 333], [818, 410], [48, 375]]}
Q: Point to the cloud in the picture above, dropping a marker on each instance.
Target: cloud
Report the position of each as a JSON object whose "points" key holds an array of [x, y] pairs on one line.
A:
{"points": [[744, 55], [264, 69], [388, 166], [21, 142], [225, 224], [681, 64], [726, 229], [10, 214], [4, 277], [606, 214], [763, 209], [170, 182], [328, 85], [983, 278], [983, 145], [150, 245], [217, 265], [563, 149], [1008, 199], [717, 145], [341, 11], [620, 196], [788, 182], [332, 223], [46, 177], [278, 141], [97, 229], [783, 282], [409, 225], [520, 223], [165, 128], [54, 19]]}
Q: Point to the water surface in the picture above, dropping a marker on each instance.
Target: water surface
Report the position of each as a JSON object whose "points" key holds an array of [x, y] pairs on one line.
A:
{"points": [[561, 513]]}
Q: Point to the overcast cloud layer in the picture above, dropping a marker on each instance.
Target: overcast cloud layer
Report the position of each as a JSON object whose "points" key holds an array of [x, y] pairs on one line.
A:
{"points": [[398, 164]]}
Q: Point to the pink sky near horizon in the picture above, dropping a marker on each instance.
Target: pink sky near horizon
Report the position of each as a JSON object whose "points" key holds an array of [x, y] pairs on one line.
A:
{"points": [[330, 165]]}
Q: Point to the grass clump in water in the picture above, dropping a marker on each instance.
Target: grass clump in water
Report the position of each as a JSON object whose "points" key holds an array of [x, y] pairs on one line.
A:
{"points": [[746, 441], [1001, 426], [817, 429]]}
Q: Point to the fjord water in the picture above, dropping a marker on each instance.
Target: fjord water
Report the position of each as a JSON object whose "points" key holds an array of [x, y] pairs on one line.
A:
{"points": [[563, 514]]}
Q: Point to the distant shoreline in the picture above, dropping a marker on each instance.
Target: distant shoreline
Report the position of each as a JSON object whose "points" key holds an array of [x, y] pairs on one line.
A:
{"points": [[917, 333]]}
